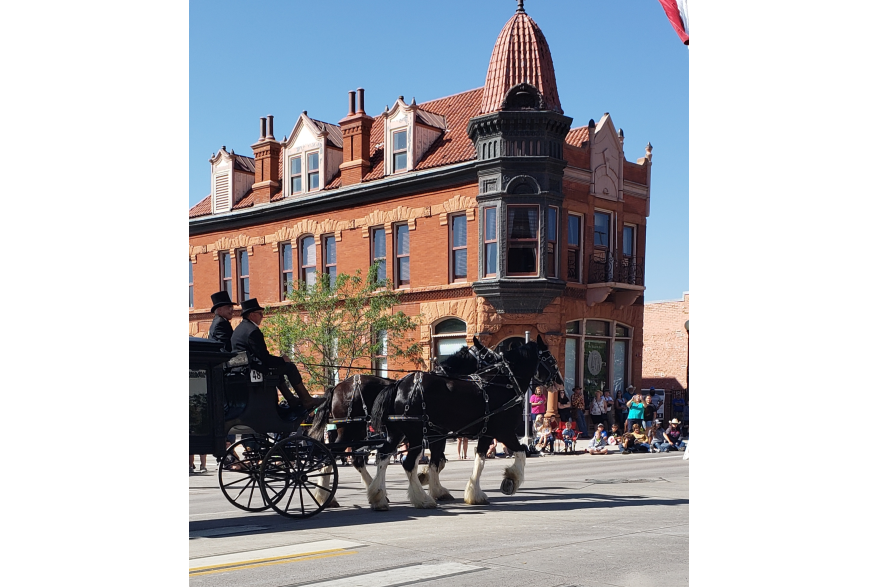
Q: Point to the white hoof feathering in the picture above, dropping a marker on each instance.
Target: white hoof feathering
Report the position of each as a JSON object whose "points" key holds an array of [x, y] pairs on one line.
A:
{"points": [[416, 495], [323, 479], [377, 490], [423, 476], [515, 473], [436, 490], [364, 474], [474, 495]]}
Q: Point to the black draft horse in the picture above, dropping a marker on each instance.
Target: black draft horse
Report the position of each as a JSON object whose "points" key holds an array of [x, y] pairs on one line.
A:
{"points": [[352, 402], [424, 405]]}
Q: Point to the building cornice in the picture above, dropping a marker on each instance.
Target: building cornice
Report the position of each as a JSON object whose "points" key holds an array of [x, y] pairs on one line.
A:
{"points": [[327, 201]]}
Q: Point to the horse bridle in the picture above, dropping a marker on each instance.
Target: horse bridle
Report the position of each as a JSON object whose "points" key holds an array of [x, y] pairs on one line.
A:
{"points": [[550, 364]]}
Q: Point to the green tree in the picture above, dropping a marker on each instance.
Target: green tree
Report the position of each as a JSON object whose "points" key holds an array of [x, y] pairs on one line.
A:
{"points": [[339, 324]]}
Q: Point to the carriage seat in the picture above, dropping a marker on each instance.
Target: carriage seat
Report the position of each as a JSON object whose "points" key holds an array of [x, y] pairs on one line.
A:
{"points": [[252, 406]]}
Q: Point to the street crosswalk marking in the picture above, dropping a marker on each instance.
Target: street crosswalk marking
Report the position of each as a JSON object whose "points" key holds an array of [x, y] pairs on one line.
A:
{"points": [[266, 556], [400, 576]]}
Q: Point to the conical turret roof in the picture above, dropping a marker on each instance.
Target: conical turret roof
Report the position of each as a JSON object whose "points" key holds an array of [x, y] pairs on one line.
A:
{"points": [[520, 55]]}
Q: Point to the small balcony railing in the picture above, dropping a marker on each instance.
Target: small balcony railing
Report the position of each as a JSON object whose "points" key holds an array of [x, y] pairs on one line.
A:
{"points": [[607, 267]]}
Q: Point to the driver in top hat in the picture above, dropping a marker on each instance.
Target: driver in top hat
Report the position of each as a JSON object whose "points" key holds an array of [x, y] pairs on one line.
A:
{"points": [[220, 329], [247, 337]]}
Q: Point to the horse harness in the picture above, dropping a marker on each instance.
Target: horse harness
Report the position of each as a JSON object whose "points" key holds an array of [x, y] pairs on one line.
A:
{"points": [[477, 378], [357, 387]]}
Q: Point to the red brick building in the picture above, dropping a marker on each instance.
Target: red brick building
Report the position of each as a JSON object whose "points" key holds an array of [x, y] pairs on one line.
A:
{"points": [[492, 214], [665, 345]]}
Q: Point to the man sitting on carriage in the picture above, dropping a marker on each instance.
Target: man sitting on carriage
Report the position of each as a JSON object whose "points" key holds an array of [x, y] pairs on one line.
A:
{"points": [[249, 338], [220, 328]]}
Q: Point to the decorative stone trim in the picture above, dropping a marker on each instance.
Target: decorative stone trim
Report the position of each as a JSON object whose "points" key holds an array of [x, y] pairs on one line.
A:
{"points": [[401, 213], [431, 312], [457, 204], [239, 242], [435, 294], [195, 251], [307, 226]]}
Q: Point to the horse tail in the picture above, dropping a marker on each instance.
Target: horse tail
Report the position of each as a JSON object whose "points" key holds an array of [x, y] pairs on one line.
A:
{"points": [[382, 405], [322, 418]]}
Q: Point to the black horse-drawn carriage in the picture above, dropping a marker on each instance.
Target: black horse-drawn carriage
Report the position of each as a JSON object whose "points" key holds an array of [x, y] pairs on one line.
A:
{"points": [[273, 465]]}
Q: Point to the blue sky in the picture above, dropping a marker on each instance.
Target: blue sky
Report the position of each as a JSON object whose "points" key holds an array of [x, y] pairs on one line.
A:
{"points": [[251, 60]]}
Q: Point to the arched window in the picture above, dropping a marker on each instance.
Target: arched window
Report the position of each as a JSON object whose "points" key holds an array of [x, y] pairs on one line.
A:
{"points": [[447, 338]]}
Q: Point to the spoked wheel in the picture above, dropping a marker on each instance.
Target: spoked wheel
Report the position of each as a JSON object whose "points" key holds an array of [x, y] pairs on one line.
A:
{"points": [[299, 477], [239, 473]]}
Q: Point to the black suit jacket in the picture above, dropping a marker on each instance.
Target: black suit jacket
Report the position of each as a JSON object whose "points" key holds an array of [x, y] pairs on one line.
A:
{"points": [[247, 337], [221, 331]]}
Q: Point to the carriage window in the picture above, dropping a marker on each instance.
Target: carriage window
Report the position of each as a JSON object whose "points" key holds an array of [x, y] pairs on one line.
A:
{"points": [[448, 336], [191, 287], [199, 412], [403, 266], [225, 272], [379, 361], [490, 242], [243, 276], [458, 247], [330, 262], [523, 224], [308, 259], [379, 252], [286, 275]]}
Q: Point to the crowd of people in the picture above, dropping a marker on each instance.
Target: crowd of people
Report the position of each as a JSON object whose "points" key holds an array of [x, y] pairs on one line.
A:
{"points": [[625, 424]]}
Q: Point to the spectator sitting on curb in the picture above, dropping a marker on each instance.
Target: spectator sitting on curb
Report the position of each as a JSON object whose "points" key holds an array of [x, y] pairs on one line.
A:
{"points": [[657, 440], [614, 438], [674, 436], [636, 440], [599, 443], [543, 431]]}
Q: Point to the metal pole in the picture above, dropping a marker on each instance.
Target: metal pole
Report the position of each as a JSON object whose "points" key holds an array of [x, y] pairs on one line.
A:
{"points": [[527, 403]]}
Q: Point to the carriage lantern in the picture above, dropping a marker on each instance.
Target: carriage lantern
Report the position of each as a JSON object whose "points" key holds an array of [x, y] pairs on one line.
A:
{"points": [[206, 397]]}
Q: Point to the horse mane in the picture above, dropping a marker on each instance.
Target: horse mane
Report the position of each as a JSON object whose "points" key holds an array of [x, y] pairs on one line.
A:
{"points": [[322, 417], [461, 362], [381, 404]]}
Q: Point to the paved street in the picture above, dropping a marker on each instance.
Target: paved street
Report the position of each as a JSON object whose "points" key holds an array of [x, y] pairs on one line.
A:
{"points": [[616, 520]]}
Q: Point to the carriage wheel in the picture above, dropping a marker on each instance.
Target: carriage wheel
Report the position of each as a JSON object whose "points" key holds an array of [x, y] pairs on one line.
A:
{"points": [[239, 473], [299, 477]]}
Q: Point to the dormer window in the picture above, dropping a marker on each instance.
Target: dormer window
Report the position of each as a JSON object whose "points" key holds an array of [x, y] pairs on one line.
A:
{"points": [[313, 171], [295, 173], [409, 132], [400, 151]]}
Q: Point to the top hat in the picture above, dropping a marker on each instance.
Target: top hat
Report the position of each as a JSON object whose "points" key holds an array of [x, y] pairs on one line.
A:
{"points": [[219, 299], [250, 305]]}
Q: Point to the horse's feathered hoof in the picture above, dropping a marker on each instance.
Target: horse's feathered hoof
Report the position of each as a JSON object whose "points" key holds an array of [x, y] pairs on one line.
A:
{"points": [[507, 486], [333, 504], [381, 506], [445, 497]]}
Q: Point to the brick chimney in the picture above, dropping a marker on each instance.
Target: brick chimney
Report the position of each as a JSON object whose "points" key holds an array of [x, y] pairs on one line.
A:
{"points": [[356, 132], [266, 151]]}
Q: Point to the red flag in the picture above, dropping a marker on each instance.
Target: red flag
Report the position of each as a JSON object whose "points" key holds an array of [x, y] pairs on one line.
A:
{"points": [[677, 12]]}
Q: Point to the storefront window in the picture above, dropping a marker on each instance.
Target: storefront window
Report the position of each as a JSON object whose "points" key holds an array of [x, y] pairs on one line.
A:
{"points": [[600, 360]]}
